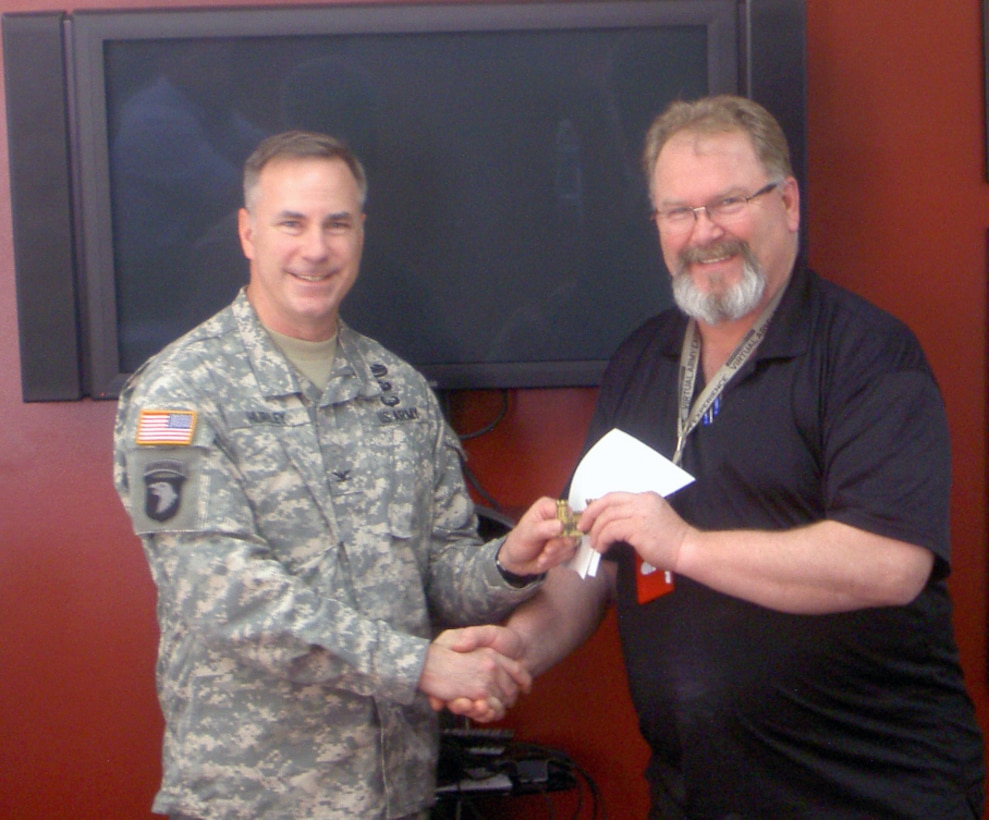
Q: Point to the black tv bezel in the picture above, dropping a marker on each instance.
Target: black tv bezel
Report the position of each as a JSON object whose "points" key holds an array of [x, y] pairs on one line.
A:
{"points": [[759, 52]]}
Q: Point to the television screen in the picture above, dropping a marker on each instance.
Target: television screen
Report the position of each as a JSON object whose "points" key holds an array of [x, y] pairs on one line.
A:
{"points": [[508, 239]]}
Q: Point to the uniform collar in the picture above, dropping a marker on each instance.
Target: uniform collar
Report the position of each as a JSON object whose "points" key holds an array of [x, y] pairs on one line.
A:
{"points": [[352, 375]]}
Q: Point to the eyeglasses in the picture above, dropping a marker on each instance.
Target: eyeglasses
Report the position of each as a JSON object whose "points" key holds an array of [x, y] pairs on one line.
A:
{"points": [[681, 218]]}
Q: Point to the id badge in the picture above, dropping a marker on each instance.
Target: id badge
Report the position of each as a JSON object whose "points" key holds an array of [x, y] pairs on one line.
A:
{"points": [[650, 582]]}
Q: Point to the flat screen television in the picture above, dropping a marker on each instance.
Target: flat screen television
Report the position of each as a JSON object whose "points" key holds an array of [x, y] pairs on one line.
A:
{"points": [[508, 243]]}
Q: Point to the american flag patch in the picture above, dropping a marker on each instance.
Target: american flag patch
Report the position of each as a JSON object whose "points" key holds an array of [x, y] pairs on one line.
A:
{"points": [[166, 427]]}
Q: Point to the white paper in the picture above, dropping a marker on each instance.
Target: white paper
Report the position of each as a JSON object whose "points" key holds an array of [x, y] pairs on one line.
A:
{"points": [[618, 463]]}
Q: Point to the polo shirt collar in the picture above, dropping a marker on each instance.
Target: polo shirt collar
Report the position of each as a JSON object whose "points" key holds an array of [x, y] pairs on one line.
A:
{"points": [[789, 330]]}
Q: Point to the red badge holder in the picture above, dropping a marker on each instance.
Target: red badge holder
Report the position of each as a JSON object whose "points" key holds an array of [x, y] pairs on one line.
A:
{"points": [[650, 582]]}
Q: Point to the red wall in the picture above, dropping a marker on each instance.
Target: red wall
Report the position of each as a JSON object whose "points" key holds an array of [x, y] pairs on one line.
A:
{"points": [[899, 209]]}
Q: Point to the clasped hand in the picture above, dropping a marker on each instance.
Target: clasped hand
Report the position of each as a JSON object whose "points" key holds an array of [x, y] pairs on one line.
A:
{"points": [[475, 672]]}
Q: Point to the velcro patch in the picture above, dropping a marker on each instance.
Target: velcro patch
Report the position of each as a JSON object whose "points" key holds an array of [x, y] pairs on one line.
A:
{"points": [[163, 482], [172, 427]]}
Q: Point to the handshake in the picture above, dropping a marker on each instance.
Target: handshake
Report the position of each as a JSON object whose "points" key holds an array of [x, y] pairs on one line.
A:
{"points": [[479, 671], [476, 671]]}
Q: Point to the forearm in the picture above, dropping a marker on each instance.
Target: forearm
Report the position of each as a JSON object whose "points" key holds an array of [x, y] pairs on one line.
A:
{"points": [[564, 613], [821, 568]]}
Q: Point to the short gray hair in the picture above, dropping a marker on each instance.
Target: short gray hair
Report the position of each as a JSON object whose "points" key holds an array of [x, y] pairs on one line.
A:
{"points": [[300, 145], [721, 114]]}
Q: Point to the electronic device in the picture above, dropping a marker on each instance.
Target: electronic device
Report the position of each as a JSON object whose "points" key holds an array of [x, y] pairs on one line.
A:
{"points": [[508, 240], [480, 760]]}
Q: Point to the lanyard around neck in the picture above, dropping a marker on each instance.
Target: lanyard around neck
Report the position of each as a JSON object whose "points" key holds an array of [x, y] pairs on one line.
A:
{"points": [[688, 417]]}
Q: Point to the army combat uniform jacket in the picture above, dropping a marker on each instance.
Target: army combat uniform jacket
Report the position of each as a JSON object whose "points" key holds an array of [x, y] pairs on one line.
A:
{"points": [[300, 543]]}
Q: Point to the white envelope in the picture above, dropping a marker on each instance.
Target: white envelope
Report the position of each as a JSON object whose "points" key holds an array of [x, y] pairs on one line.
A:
{"points": [[618, 463]]}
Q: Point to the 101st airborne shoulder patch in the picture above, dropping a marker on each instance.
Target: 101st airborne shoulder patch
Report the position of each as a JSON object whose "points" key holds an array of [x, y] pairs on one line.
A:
{"points": [[163, 482]]}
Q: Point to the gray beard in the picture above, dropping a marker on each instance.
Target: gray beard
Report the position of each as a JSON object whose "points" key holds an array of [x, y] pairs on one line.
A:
{"points": [[714, 308]]}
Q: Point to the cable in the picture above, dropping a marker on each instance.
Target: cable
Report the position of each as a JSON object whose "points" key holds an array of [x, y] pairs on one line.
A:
{"points": [[487, 428], [484, 429], [473, 480]]}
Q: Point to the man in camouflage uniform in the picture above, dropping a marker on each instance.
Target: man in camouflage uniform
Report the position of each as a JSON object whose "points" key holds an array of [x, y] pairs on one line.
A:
{"points": [[301, 505]]}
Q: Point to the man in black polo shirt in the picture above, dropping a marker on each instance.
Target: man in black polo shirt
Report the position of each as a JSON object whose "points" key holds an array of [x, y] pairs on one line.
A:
{"points": [[803, 662]]}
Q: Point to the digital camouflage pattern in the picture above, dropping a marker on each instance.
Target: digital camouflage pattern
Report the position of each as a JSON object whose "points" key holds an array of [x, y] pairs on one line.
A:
{"points": [[299, 543]]}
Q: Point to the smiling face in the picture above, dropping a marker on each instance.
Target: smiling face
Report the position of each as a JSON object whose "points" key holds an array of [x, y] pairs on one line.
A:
{"points": [[723, 259], [303, 234]]}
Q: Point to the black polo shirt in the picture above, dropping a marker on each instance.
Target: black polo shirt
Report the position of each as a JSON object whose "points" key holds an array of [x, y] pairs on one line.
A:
{"points": [[760, 714]]}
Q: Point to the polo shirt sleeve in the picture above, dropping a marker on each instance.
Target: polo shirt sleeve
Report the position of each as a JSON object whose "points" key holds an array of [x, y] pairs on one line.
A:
{"points": [[887, 460]]}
